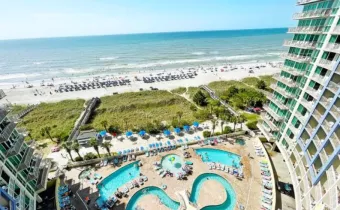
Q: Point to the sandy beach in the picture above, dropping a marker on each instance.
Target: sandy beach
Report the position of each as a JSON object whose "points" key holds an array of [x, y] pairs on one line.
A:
{"points": [[45, 91]]}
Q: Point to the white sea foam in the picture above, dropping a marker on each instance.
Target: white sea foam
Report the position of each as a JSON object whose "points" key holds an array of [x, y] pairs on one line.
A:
{"points": [[38, 63], [276, 53], [77, 71], [198, 53], [108, 58], [18, 75], [214, 53]]}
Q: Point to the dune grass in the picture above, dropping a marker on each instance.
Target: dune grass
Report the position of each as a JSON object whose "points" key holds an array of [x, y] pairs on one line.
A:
{"points": [[135, 109], [221, 86], [192, 91], [16, 109], [179, 90], [268, 79], [60, 117], [251, 81]]}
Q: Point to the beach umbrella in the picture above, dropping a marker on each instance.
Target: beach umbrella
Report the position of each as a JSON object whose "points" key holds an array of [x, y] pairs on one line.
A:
{"points": [[141, 148], [128, 134], [186, 128], [157, 145], [124, 152], [196, 124], [102, 133], [160, 144], [169, 143], [142, 133], [177, 130], [128, 151], [120, 152], [167, 133], [150, 145]]}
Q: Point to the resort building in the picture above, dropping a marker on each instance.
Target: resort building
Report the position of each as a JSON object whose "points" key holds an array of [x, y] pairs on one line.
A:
{"points": [[23, 171], [303, 114]]}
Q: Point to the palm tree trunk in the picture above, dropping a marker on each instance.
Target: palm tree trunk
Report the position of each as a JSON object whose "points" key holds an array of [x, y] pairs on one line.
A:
{"points": [[234, 126], [79, 154], [98, 153], [69, 153], [108, 151]]}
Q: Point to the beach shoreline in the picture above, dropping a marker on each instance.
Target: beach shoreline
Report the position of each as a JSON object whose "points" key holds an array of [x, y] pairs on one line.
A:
{"points": [[45, 90]]}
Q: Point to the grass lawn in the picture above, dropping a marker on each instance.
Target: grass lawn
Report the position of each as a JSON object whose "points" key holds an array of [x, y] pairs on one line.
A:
{"points": [[179, 90], [252, 81], [60, 116], [251, 117], [221, 86], [136, 109]]}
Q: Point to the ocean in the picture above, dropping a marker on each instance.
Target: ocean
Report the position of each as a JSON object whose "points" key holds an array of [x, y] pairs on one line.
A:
{"points": [[46, 58]]}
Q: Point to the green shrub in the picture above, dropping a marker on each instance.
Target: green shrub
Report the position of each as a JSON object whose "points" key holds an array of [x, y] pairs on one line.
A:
{"points": [[90, 156], [217, 133], [78, 159], [206, 134], [193, 108], [86, 127], [227, 129], [252, 125]]}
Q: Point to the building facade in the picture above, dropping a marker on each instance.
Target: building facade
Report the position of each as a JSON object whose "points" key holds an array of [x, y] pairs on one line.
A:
{"points": [[23, 171], [303, 114]]}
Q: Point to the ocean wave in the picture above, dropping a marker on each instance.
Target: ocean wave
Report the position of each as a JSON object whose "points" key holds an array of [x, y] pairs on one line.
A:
{"points": [[38, 63], [276, 53], [214, 52], [18, 75], [198, 53], [108, 58], [77, 71]]}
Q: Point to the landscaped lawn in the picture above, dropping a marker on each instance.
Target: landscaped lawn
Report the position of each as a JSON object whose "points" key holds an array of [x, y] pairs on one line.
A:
{"points": [[251, 117], [60, 117], [136, 109]]}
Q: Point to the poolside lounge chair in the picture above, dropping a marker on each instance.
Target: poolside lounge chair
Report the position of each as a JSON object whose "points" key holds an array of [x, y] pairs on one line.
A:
{"points": [[93, 181], [264, 200], [264, 190], [163, 174], [97, 176], [147, 154], [222, 167], [145, 178], [124, 189], [266, 206], [160, 171], [267, 196], [189, 162], [105, 163], [266, 178], [157, 168], [130, 185], [129, 157]]}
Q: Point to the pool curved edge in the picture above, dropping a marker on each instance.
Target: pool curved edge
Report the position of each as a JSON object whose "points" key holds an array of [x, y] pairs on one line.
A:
{"points": [[133, 201], [119, 169], [229, 202]]}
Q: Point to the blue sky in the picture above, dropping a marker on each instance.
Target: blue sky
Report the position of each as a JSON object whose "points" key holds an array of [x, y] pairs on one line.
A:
{"points": [[55, 18]]}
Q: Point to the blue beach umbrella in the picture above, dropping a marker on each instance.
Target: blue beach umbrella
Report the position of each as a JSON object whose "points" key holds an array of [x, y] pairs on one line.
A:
{"points": [[128, 134], [157, 145], [177, 130], [169, 143], [167, 133], [142, 133], [124, 152], [186, 128], [102, 133], [160, 144], [141, 148], [196, 124], [150, 145], [120, 152]]}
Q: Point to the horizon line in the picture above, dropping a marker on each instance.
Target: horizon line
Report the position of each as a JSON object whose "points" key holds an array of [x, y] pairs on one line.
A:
{"points": [[137, 33]]}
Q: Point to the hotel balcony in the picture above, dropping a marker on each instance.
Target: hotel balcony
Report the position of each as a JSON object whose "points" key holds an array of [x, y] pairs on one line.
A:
{"points": [[283, 92], [336, 30], [325, 101], [334, 141], [43, 175], [308, 104], [312, 14], [303, 2], [272, 113], [320, 79], [335, 111], [3, 114], [292, 71], [297, 58], [333, 47], [301, 117], [306, 30], [265, 131], [327, 64], [295, 130], [6, 133], [309, 129], [277, 102], [333, 86], [300, 44], [287, 81], [26, 159], [271, 125], [34, 167], [16, 148], [313, 92]]}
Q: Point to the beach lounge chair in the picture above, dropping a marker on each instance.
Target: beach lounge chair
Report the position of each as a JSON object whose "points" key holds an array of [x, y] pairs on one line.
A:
{"points": [[97, 176], [266, 206], [105, 162], [267, 196], [157, 168], [265, 200], [160, 171], [130, 185], [264, 190], [145, 178], [266, 178]]}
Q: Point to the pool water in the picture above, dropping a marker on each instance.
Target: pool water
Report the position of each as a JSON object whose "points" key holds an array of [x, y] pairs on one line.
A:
{"points": [[117, 179], [228, 204], [219, 156], [173, 163], [152, 190], [240, 142]]}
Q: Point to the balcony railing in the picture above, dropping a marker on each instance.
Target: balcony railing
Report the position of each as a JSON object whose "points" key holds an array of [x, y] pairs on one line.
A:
{"points": [[6, 133], [287, 81], [298, 58], [16, 148], [312, 14], [273, 114], [277, 102], [299, 44], [307, 104], [333, 47], [325, 101], [309, 129], [333, 86], [327, 64], [320, 79], [3, 114], [26, 159], [302, 2], [284, 93], [271, 125], [265, 131], [336, 30], [292, 71], [306, 30], [335, 110], [334, 141], [301, 117], [313, 92]]}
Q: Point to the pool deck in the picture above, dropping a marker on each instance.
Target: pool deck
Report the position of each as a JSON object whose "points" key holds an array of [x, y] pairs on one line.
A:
{"points": [[248, 190]]}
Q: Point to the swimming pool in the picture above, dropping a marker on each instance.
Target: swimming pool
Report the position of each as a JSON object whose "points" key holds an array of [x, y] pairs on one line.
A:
{"points": [[228, 204], [117, 179], [152, 190], [173, 163], [219, 156]]}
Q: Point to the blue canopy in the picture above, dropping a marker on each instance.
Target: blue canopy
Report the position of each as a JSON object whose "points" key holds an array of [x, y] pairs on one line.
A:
{"points": [[186, 128], [167, 133], [196, 124], [128, 134], [177, 130], [141, 148], [142, 132], [102, 133]]}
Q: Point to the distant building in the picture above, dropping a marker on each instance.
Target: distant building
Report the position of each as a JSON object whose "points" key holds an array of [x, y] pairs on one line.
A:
{"points": [[23, 171], [303, 114], [84, 137]]}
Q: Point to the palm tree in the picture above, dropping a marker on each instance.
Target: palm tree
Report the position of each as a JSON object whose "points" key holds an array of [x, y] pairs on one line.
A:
{"points": [[179, 115], [104, 124], [234, 120], [107, 145], [75, 146], [47, 131], [222, 123], [242, 119], [213, 121], [94, 143], [68, 149]]}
